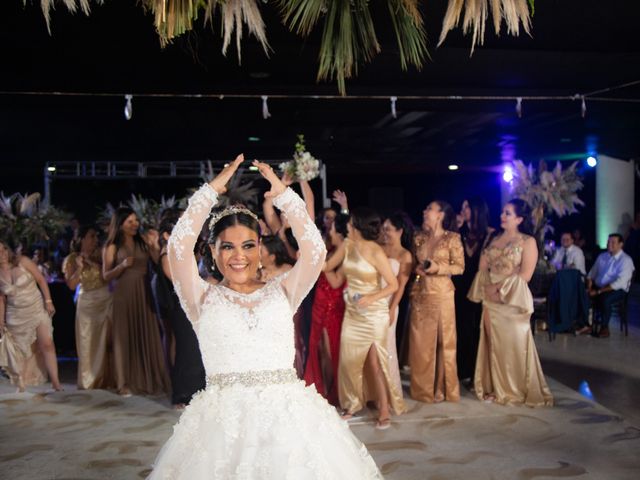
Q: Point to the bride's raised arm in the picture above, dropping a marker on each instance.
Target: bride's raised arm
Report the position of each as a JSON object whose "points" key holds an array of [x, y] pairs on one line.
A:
{"points": [[304, 274], [187, 283]]}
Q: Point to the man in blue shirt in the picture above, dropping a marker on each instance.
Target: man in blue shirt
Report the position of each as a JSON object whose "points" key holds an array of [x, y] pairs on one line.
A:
{"points": [[609, 280]]}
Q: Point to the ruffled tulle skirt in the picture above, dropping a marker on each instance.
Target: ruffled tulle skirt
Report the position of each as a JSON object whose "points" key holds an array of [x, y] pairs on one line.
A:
{"points": [[279, 431]]}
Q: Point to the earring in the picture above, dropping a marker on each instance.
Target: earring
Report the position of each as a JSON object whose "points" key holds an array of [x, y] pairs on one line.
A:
{"points": [[213, 266]]}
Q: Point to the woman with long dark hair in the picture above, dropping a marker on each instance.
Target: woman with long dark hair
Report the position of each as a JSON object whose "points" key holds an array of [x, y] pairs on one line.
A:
{"points": [[327, 313], [255, 419], [432, 345], [397, 235], [363, 372], [83, 267], [475, 233], [508, 370], [185, 361], [139, 365]]}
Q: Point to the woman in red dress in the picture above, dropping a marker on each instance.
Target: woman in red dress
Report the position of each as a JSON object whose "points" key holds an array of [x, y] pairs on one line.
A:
{"points": [[326, 322]]}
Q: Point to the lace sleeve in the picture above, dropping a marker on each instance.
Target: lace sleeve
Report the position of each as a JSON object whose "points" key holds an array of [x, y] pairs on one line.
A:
{"points": [[303, 275], [182, 262]]}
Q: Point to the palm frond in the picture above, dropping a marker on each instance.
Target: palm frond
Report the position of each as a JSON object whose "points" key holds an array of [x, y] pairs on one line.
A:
{"points": [[72, 5], [410, 34], [513, 12]]}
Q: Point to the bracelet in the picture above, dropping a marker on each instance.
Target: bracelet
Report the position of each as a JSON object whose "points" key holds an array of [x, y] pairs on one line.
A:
{"points": [[48, 301], [344, 211]]}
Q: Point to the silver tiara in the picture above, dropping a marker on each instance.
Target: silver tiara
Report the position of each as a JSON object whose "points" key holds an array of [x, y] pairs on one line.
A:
{"points": [[232, 210]]}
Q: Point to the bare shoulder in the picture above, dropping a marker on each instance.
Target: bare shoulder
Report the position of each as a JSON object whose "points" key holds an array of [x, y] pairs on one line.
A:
{"points": [[26, 262], [406, 256], [529, 242]]}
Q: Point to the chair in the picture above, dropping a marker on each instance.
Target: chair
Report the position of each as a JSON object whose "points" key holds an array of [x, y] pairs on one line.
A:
{"points": [[567, 302], [540, 284], [621, 309]]}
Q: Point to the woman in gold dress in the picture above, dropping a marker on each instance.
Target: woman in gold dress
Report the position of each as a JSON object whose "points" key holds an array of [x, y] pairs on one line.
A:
{"points": [[139, 365], [26, 309], [507, 367], [432, 343], [363, 372], [93, 310]]}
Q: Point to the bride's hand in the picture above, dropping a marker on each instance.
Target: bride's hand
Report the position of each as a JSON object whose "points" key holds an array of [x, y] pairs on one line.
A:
{"points": [[219, 184], [277, 187]]}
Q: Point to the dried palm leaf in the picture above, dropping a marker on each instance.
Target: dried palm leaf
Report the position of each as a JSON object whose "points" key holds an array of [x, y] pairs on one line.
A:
{"points": [[513, 12], [172, 18], [233, 14], [72, 6]]}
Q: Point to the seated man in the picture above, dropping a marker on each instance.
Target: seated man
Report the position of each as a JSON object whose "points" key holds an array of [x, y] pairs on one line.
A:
{"points": [[569, 255], [609, 280]]}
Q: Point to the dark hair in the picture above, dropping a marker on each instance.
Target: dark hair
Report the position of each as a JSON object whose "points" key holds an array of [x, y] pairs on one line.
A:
{"points": [[231, 220], [275, 246], [367, 222], [618, 236], [10, 245], [340, 224], [522, 210], [320, 218], [400, 220], [479, 222], [83, 230], [168, 220], [115, 235], [449, 220], [291, 239], [566, 232]]}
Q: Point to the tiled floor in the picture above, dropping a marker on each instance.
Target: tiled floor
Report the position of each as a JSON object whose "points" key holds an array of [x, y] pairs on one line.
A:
{"points": [[98, 435], [610, 366]]}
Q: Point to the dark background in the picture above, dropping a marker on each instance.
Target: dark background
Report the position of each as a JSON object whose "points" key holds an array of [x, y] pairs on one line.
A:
{"points": [[578, 46]]}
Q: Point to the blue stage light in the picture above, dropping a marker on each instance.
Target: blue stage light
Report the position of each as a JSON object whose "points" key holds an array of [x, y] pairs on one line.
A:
{"points": [[585, 391], [592, 161], [507, 175]]}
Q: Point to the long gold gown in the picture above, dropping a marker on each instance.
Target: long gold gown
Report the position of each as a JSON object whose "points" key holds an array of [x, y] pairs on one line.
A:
{"points": [[507, 365], [24, 313], [432, 343], [93, 325], [363, 329], [137, 347]]}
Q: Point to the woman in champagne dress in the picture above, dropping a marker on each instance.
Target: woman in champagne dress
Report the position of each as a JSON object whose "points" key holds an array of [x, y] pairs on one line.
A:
{"points": [[93, 310], [255, 419], [26, 309], [363, 371], [508, 370], [432, 346], [137, 348]]}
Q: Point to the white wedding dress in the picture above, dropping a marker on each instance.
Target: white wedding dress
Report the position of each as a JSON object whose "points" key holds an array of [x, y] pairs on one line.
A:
{"points": [[255, 419]]}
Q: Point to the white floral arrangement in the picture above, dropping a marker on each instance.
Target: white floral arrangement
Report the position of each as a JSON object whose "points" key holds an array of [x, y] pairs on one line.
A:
{"points": [[304, 166]]}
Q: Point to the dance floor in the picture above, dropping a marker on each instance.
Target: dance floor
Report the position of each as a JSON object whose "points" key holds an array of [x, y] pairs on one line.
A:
{"points": [[99, 435]]}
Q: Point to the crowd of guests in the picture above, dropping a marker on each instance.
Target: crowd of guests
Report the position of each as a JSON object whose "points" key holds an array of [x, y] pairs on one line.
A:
{"points": [[461, 285]]}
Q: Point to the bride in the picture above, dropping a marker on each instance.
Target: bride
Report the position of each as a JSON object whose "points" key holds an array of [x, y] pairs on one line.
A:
{"points": [[255, 419]]}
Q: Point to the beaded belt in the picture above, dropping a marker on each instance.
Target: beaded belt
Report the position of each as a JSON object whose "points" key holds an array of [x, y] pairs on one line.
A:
{"points": [[253, 378]]}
